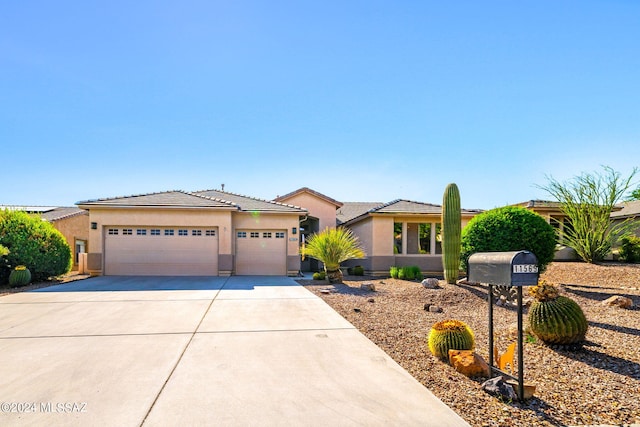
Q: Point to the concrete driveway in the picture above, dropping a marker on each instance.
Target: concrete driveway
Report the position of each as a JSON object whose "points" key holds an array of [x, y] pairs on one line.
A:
{"points": [[162, 351]]}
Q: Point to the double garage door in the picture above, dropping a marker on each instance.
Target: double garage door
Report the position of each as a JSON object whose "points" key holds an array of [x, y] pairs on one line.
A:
{"points": [[168, 251], [179, 251]]}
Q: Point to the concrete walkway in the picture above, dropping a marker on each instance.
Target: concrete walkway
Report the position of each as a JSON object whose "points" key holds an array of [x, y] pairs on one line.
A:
{"points": [[238, 351]]}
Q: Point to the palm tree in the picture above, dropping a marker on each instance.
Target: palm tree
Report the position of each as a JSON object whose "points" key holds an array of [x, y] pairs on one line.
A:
{"points": [[331, 247]]}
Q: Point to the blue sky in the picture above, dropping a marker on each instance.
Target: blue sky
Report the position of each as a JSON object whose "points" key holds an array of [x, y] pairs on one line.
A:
{"points": [[359, 100]]}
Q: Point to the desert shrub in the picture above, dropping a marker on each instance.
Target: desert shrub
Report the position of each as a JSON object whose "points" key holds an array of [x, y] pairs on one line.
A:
{"points": [[358, 270], [417, 274], [34, 243], [509, 229], [630, 248], [394, 272], [319, 275]]}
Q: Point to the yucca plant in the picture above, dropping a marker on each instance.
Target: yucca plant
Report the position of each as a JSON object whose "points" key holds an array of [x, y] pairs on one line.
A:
{"points": [[555, 319], [332, 247], [450, 335]]}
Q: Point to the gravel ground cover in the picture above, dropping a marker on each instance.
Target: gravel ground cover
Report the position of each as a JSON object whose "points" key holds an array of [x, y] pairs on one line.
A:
{"points": [[596, 384]]}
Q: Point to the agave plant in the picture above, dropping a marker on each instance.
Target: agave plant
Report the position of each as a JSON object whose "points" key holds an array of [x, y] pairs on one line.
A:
{"points": [[332, 247]]}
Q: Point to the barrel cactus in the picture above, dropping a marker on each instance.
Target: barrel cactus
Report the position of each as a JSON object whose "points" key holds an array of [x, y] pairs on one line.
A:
{"points": [[555, 319], [451, 231], [19, 276], [450, 335]]}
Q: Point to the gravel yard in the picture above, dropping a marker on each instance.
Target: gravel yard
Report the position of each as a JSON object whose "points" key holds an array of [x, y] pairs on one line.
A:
{"points": [[598, 384]]}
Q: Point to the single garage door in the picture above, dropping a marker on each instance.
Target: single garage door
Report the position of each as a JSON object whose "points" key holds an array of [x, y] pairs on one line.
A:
{"points": [[156, 251], [261, 252]]}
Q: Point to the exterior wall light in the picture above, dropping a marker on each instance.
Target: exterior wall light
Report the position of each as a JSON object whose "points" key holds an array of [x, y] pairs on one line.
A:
{"points": [[94, 225], [294, 230]]}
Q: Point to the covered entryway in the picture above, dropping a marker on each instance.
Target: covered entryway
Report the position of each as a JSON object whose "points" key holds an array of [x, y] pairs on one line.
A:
{"points": [[261, 252], [161, 251]]}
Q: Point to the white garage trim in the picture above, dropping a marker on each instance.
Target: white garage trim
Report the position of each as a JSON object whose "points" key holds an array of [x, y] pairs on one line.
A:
{"points": [[261, 252], [161, 251]]}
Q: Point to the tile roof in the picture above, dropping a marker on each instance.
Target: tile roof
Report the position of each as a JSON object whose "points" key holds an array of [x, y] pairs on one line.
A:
{"points": [[48, 213], [249, 204], [539, 204], [310, 191], [629, 210], [167, 199], [62, 213], [352, 211]]}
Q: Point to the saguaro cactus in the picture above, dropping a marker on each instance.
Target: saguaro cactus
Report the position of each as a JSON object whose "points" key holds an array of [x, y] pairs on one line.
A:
{"points": [[451, 230]]}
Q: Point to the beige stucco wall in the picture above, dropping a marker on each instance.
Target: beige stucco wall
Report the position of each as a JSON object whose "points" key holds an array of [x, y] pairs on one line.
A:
{"points": [[318, 208], [273, 221], [226, 221], [376, 236], [222, 219], [74, 228]]}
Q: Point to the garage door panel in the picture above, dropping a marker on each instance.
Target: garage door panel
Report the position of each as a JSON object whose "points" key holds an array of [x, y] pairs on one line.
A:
{"points": [[262, 254], [161, 255]]}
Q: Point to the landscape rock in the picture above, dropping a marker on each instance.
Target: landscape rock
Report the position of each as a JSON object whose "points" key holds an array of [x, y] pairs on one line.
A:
{"points": [[368, 286], [435, 309], [469, 363], [431, 283], [427, 306], [618, 301], [498, 387]]}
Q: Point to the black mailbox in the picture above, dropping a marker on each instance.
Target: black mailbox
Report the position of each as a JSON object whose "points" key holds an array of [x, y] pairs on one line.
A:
{"points": [[518, 268]]}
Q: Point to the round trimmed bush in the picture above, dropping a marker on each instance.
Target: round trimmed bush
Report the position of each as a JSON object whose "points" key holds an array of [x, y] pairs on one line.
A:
{"points": [[509, 228], [33, 242]]}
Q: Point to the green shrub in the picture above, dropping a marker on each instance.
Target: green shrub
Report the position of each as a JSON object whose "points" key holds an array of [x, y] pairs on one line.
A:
{"points": [[417, 274], [34, 243], [358, 270], [394, 272], [509, 229], [630, 249], [319, 275], [402, 273]]}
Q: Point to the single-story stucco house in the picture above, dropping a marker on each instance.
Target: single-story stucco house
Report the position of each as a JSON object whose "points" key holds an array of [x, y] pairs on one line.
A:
{"points": [[203, 233], [71, 221], [214, 232]]}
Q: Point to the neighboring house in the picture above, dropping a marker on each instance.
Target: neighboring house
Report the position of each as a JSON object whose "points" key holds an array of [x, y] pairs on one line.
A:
{"points": [[72, 222], [203, 233], [630, 211]]}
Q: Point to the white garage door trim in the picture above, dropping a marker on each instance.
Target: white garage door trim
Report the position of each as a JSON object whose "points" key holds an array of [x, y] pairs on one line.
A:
{"points": [[161, 251], [261, 252]]}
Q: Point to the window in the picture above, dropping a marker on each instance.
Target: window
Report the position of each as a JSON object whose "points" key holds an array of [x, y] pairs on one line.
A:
{"points": [[183, 232], [141, 232], [397, 237], [266, 235], [113, 231], [155, 232], [196, 232], [210, 232], [255, 234], [127, 231], [280, 235], [242, 234], [168, 232]]}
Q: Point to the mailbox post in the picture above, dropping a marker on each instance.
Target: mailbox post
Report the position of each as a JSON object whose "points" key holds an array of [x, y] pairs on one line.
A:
{"points": [[519, 268]]}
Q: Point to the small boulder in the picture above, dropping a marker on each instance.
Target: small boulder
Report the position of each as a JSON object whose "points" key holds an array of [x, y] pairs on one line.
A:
{"points": [[499, 387], [618, 301], [368, 286], [435, 309], [469, 363], [431, 283], [427, 306]]}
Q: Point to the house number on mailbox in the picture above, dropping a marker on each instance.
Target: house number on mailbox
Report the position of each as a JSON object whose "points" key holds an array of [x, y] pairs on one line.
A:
{"points": [[525, 268]]}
